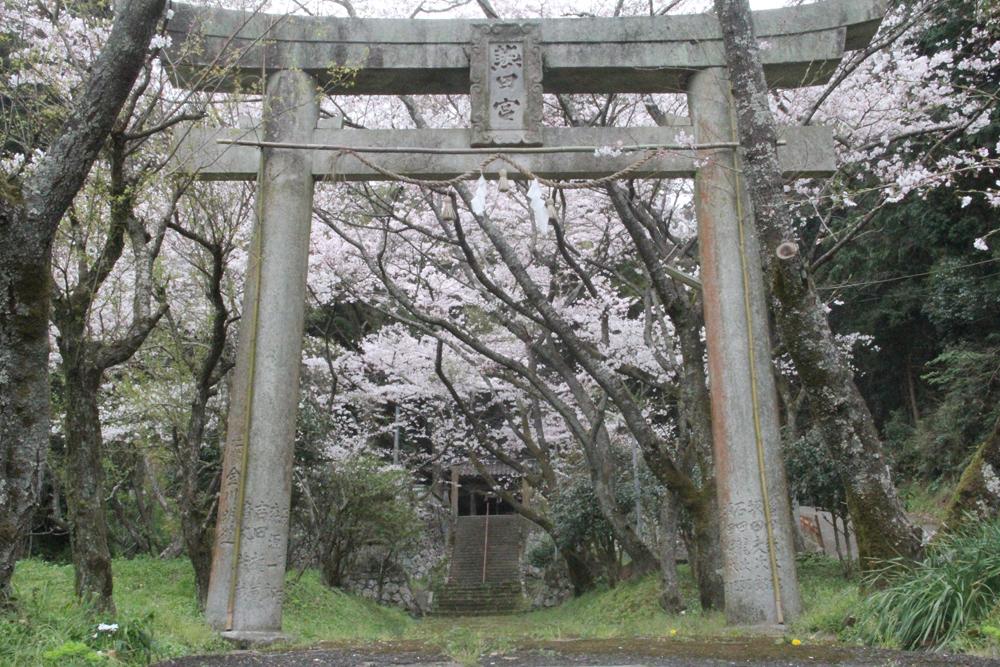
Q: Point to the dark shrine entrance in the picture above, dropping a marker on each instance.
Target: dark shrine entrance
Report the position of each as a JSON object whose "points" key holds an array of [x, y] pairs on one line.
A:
{"points": [[470, 493], [476, 499]]}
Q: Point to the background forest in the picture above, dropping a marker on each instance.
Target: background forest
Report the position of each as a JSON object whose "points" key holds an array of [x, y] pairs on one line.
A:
{"points": [[570, 350]]}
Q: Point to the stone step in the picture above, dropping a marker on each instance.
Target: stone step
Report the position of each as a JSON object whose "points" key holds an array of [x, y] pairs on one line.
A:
{"points": [[507, 607], [512, 588], [477, 564], [493, 576], [477, 572], [470, 592], [477, 607], [474, 610], [476, 599], [476, 578], [492, 557], [467, 591], [487, 587], [480, 604], [491, 612]]}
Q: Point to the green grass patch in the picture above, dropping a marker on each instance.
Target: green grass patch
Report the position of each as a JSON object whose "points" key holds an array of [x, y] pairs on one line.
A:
{"points": [[628, 610], [946, 600], [158, 616], [828, 598], [631, 610], [314, 612], [929, 500]]}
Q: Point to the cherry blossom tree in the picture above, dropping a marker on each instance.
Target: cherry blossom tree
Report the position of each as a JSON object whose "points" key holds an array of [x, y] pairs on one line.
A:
{"points": [[34, 201]]}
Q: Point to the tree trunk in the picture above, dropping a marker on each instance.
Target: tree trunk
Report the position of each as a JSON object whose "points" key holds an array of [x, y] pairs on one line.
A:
{"points": [[883, 529], [705, 552], [670, 598], [24, 380], [597, 451], [197, 505], [977, 496], [581, 575], [198, 538], [27, 228], [642, 559], [85, 484]]}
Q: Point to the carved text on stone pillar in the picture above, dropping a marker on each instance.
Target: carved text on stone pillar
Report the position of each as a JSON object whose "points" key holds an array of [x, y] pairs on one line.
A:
{"points": [[506, 75]]}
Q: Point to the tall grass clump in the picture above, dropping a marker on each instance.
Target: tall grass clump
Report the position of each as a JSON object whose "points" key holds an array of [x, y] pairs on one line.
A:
{"points": [[931, 604]]}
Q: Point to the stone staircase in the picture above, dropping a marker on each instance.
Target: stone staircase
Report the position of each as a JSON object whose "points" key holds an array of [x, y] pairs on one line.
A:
{"points": [[467, 592]]}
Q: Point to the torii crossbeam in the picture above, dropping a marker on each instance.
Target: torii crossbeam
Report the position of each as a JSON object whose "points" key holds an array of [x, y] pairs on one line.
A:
{"points": [[505, 66]]}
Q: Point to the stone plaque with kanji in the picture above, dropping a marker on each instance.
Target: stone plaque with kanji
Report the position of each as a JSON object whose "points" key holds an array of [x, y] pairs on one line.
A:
{"points": [[506, 74]]}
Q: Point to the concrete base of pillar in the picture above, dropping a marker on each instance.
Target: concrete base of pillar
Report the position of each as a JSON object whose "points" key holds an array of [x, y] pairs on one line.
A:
{"points": [[252, 639]]}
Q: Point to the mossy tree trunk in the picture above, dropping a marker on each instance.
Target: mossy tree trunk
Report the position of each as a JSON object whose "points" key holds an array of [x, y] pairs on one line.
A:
{"points": [[596, 445], [671, 599], [24, 378], [84, 475], [883, 529], [28, 222], [85, 359], [977, 496], [579, 570]]}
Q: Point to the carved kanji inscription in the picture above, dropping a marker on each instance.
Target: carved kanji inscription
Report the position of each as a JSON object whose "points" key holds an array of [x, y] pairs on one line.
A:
{"points": [[506, 74]]}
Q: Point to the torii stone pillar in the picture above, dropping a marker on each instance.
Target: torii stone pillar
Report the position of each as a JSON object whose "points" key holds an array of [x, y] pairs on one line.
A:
{"points": [[757, 547], [248, 564]]}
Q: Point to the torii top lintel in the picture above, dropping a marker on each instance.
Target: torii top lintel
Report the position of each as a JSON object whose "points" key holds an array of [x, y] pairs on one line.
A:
{"points": [[801, 46]]}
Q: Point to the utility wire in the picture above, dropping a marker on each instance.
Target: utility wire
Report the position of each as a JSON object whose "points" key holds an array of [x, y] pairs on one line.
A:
{"points": [[912, 275]]}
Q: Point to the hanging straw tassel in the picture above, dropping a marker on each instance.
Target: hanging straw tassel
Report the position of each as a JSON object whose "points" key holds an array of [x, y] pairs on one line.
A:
{"points": [[550, 209], [448, 210], [504, 184]]}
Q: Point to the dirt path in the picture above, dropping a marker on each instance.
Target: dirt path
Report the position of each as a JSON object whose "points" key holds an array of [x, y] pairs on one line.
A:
{"points": [[758, 652]]}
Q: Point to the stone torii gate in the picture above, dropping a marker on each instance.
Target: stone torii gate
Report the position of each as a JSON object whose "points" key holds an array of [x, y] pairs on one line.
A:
{"points": [[505, 66]]}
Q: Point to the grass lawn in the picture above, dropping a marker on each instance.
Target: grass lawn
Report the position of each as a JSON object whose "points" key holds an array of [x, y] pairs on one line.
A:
{"points": [[158, 618], [631, 610]]}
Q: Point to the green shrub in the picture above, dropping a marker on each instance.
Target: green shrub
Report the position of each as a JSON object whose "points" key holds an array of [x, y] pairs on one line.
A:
{"points": [[932, 603], [73, 653], [359, 508]]}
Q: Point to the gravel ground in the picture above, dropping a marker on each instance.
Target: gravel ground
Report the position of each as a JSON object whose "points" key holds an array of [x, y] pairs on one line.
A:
{"points": [[760, 652]]}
